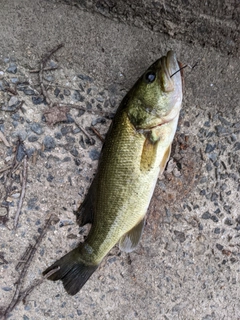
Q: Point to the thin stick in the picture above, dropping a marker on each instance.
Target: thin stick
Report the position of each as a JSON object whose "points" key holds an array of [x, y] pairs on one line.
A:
{"points": [[22, 192], [97, 133], [19, 294], [36, 283], [24, 257], [12, 91], [85, 132], [4, 140], [44, 91], [44, 69], [5, 169], [42, 66]]}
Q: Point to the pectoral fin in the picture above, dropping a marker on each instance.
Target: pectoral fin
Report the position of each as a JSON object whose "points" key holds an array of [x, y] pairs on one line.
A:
{"points": [[130, 240], [148, 157]]}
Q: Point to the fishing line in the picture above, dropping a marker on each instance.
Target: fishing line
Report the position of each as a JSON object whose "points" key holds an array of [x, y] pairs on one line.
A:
{"points": [[187, 65]]}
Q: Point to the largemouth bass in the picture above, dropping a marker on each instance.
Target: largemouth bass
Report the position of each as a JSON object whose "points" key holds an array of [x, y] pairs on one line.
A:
{"points": [[136, 150]]}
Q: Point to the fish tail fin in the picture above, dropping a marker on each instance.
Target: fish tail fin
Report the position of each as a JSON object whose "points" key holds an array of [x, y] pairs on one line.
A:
{"points": [[73, 272]]}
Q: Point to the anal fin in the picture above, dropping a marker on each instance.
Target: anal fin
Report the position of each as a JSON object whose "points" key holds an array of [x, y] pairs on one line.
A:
{"points": [[130, 240], [165, 159]]}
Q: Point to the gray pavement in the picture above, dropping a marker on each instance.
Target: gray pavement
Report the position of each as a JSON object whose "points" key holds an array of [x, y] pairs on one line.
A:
{"points": [[187, 266]]}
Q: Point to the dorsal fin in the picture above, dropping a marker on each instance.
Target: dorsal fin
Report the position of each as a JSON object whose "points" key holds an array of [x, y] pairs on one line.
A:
{"points": [[85, 212]]}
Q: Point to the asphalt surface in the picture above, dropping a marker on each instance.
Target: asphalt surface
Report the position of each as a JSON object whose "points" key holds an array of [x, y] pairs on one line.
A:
{"points": [[187, 266]]}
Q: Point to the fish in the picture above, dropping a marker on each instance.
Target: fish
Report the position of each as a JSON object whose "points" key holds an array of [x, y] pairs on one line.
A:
{"points": [[135, 151]]}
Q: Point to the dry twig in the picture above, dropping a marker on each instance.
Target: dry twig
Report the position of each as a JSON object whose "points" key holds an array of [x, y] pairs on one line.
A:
{"points": [[44, 69], [12, 91], [42, 66], [22, 192], [20, 294], [85, 132], [5, 169], [4, 140], [97, 133]]}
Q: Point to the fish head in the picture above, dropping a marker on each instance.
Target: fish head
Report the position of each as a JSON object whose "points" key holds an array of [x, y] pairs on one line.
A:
{"points": [[156, 98]]}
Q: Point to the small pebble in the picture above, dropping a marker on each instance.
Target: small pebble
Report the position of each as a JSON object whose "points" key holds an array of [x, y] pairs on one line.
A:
{"points": [[49, 143], [30, 152], [210, 148], [85, 78], [66, 129], [214, 196], [206, 215], [27, 307], [32, 138], [89, 105], [50, 177], [49, 78], [180, 236], [224, 121], [69, 119], [237, 146], [64, 223], [36, 128], [219, 246], [98, 120], [66, 92], [228, 222], [77, 96], [76, 130], [29, 92], [220, 129], [56, 92], [94, 154], [21, 152], [81, 87], [214, 218], [14, 80], [31, 204], [38, 100], [58, 135], [77, 161], [6, 288], [66, 159], [13, 101], [208, 167], [16, 195], [12, 68], [74, 152], [70, 140]]}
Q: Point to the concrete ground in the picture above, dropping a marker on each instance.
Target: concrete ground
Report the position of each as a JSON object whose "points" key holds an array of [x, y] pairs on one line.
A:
{"points": [[187, 266]]}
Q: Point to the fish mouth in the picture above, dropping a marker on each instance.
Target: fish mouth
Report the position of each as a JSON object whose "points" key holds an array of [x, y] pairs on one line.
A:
{"points": [[170, 68], [171, 63]]}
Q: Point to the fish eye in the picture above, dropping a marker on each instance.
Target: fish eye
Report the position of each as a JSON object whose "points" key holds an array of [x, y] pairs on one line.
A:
{"points": [[149, 76]]}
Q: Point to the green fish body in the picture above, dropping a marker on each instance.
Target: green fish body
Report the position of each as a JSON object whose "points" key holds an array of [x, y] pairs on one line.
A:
{"points": [[135, 151]]}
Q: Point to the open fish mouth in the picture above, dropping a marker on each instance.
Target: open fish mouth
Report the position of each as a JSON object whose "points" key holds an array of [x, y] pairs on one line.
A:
{"points": [[172, 65]]}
